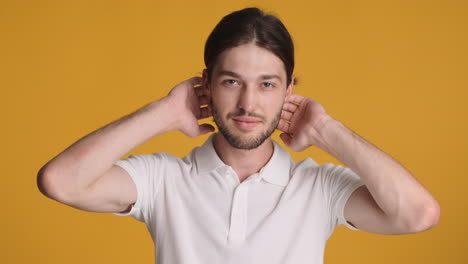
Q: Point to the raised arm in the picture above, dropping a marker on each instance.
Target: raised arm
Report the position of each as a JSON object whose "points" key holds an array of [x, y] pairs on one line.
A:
{"points": [[392, 200], [84, 175]]}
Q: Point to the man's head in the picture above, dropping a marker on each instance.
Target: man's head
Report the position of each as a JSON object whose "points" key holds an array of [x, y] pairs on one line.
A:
{"points": [[249, 60], [250, 25]]}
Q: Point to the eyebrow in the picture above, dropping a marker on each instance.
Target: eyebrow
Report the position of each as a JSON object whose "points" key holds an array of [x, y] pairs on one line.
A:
{"points": [[270, 76], [229, 73], [236, 75]]}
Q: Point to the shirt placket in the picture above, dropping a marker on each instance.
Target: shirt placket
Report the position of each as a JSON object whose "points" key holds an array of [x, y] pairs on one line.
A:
{"points": [[237, 229]]}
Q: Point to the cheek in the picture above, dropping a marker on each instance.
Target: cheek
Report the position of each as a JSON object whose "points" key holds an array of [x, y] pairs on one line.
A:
{"points": [[274, 102], [274, 107], [220, 104], [220, 99]]}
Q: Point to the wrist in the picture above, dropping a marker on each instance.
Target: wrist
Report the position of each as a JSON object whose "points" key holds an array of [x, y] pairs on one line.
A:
{"points": [[324, 132], [160, 110]]}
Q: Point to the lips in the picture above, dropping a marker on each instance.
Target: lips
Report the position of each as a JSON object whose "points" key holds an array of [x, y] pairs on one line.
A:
{"points": [[246, 122], [246, 119]]}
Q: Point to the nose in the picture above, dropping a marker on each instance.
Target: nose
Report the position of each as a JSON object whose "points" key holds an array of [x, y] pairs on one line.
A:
{"points": [[247, 99]]}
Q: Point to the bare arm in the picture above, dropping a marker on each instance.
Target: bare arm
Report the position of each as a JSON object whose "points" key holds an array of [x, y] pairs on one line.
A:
{"points": [[84, 175], [392, 200]]}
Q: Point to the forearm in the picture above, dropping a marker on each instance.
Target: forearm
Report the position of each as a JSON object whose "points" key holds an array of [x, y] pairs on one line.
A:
{"points": [[86, 160], [395, 190]]}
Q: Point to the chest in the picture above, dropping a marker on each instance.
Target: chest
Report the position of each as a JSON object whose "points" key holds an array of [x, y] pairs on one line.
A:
{"points": [[220, 211]]}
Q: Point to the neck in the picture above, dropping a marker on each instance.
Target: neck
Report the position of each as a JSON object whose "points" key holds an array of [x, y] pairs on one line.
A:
{"points": [[243, 162]]}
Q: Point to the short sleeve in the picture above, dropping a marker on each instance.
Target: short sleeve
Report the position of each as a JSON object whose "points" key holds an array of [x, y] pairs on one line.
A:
{"points": [[145, 171], [339, 183]]}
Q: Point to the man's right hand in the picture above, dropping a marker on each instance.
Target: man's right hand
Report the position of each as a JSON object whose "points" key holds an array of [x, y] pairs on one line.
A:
{"points": [[189, 102], [85, 176]]}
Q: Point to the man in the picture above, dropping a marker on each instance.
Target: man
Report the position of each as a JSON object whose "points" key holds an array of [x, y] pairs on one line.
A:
{"points": [[240, 198]]}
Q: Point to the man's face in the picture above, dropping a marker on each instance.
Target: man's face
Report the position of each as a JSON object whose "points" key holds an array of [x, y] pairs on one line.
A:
{"points": [[248, 88]]}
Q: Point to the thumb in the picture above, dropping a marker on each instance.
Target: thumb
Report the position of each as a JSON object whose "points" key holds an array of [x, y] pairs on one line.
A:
{"points": [[286, 138], [205, 128], [290, 142]]}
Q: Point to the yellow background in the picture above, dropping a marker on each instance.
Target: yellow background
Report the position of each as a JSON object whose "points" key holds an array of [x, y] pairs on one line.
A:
{"points": [[393, 71]]}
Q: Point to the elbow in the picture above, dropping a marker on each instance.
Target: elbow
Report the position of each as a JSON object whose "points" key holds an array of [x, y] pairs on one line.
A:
{"points": [[43, 182], [433, 215], [426, 219], [48, 185]]}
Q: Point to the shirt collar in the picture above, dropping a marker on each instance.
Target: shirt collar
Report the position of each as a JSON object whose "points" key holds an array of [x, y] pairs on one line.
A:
{"points": [[276, 171], [206, 157], [278, 168]]}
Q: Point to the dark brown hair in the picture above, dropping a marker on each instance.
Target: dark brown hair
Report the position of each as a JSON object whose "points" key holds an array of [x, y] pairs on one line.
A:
{"points": [[250, 25]]}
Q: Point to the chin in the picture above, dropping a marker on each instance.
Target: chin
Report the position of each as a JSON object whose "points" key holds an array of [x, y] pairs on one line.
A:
{"points": [[245, 140]]}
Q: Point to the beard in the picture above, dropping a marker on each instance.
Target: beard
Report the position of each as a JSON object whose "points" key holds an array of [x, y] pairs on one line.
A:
{"points": [[237, 141]]}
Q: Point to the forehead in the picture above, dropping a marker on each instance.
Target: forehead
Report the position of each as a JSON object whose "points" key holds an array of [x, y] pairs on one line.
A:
{"points": [[250, 62]]}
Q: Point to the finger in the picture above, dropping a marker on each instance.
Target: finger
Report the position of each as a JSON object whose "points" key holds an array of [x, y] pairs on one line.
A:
{"points": [[195, 81], [290, 107], [204, 112], [286, 115], [203, 100], [201, 90], [295, 98], [205, 128], [283, 126]]}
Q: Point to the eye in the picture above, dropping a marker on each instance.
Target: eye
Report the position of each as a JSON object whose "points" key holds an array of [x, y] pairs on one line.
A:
{"points": [[230, 82], [267, 85]]}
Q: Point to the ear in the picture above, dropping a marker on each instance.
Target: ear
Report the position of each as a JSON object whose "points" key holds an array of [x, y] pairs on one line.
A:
{"points": [[205, 82], [290, 86]]}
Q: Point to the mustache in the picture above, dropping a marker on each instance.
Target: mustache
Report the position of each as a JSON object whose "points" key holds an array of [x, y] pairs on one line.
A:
{"points": [[243, 112]]}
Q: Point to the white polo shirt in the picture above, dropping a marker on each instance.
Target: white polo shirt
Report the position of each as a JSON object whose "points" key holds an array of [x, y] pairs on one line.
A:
{"points": [[197, 211]]}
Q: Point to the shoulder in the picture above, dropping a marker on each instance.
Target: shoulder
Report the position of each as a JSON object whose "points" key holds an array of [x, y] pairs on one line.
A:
{"points": [[309, 165], [158, 160], [308, 169], [305, 167], [305, 173]]}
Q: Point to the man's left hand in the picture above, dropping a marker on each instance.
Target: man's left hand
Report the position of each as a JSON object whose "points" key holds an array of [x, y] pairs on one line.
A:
{"points": [[301, 119]]}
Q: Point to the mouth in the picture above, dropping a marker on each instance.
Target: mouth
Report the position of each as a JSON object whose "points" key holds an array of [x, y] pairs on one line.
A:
{"points": [[246, 123]]}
